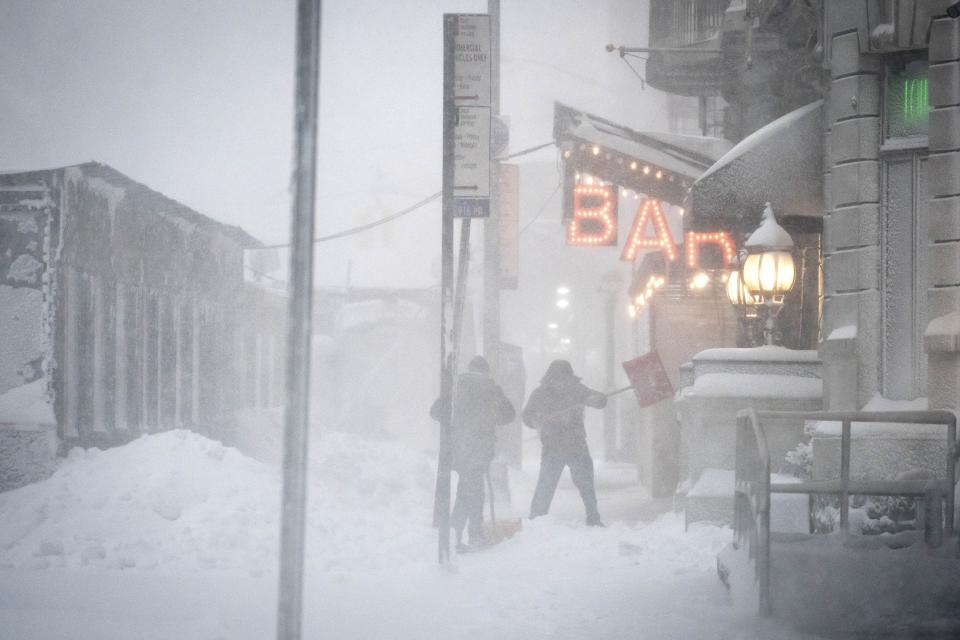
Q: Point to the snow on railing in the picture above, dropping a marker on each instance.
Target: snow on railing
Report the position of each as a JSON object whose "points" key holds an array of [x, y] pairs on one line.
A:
{"points": [[753, 488]]}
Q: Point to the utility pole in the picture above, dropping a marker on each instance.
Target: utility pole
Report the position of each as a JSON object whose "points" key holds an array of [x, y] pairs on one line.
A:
{"points": [[441, 504], [491, 235], [293, 507]]}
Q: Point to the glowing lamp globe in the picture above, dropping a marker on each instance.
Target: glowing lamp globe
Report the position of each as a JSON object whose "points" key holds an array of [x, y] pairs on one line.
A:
{"points": [[769, 269], [737, 292]]}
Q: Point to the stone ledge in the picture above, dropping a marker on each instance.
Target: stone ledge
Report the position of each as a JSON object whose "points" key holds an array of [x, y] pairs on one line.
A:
{"points": [[945, 128], [943, 215], [850, 270], [944, 82], [944, 264], [851, 228], [855, 183], [846, 59], [943, 171], [852, 97], [944, 40]]}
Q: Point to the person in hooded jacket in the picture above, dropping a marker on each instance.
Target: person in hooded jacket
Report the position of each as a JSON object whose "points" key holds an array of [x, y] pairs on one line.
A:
{"points": [[479, 406], [555, 409]]}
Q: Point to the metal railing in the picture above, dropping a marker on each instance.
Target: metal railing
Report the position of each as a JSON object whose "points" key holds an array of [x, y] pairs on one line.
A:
{"points": [[753, 487], [685, 22]]}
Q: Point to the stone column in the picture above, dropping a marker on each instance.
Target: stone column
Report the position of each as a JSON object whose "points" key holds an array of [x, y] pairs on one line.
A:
{"points": [[851, 235], [942, 341]]}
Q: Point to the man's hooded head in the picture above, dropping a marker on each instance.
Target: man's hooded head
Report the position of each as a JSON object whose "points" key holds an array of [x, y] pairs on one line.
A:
{"points": [[479, 365], [560, 371]]}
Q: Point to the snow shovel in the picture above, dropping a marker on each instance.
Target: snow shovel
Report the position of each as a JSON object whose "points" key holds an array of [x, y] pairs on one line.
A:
{"points": [[560, 412], [648, 379], [498, 530]]}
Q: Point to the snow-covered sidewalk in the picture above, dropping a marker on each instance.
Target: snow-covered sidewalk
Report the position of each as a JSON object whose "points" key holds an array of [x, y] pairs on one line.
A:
{"points": [[174, 535]]}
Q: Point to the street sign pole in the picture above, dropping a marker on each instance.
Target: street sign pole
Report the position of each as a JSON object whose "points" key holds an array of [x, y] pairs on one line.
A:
{"points": [[441, 510], [294, 497], [491, 235], [466, 195]]}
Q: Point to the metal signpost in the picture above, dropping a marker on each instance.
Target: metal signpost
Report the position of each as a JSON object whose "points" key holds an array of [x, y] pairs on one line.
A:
{"points": [[293, 514], [466, 194], [471, 99]]}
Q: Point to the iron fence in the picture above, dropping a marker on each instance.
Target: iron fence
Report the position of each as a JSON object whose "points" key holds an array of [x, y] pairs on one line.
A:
{"points": [[753, 487]]}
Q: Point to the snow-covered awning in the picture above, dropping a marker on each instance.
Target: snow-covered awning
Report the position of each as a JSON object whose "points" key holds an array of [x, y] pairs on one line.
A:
{"points": [[780, 163], [661, 165]]}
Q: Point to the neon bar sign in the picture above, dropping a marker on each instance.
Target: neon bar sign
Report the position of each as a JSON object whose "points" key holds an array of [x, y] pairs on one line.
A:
{"points": [[649, 212], [594, 222], [720, 238], [916, 103]]}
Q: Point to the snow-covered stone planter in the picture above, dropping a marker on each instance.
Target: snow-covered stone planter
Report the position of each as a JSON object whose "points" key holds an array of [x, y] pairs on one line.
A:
{"points": [[881, 451], [725, 381]]}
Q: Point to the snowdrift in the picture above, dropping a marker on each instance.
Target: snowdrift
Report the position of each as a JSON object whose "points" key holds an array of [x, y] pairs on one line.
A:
{"points": [[176, 501]]}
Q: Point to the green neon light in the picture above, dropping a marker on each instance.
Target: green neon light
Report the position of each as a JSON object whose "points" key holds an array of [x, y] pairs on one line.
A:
{"points": [[915, 102]]}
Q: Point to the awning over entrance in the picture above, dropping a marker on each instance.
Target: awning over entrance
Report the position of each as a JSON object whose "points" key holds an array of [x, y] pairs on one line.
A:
{"points": [[780, 163], [661, 165]]}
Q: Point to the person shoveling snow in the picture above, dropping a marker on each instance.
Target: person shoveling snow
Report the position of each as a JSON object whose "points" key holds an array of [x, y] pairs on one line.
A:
{"points": [[479, 406], [555, 409]]}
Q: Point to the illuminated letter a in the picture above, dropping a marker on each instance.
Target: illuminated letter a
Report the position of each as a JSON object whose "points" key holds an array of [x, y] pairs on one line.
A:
{"points": [[661, 239]]}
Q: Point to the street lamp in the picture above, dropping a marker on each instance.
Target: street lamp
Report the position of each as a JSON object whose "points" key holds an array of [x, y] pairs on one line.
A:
{"points": [[737, 291], [768, 271]]}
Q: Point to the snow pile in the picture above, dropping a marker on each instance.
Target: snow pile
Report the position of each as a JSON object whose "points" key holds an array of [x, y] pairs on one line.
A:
{"points": [[174, 535], [945, 325], [884, 429], [754, 385], [765, 353], [846, 332], [178, 502], [943, 333]]}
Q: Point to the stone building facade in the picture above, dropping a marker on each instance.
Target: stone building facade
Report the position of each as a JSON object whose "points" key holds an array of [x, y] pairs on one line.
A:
{"points": [[891, 238]]}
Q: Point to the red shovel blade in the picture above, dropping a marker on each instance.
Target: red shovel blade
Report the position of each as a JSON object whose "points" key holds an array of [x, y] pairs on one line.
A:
{"points": [[649, 379]]}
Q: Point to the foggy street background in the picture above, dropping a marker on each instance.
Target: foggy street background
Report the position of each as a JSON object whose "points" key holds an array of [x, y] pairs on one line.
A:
{"points": [[729, 228]]}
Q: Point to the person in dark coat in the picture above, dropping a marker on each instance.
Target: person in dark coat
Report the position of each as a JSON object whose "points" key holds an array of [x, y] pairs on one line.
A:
{"points": [[555, 408], [479, 406]]}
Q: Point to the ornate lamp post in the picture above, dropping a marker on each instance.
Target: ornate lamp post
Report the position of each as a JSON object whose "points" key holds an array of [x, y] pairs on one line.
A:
{"points": [[737, 291], [767, 271]]}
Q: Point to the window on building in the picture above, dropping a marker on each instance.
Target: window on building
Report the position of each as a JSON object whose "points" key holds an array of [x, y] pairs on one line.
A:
{"points": [[696, 116], [906, 107], [903, 211]]}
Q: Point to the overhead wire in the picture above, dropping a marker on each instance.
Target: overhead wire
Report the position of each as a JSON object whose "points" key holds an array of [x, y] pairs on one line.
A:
{"points": [[393, 216]]}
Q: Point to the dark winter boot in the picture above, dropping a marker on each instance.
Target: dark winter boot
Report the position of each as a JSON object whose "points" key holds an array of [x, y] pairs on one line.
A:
{"points": [[595, 521], [460, 547]]}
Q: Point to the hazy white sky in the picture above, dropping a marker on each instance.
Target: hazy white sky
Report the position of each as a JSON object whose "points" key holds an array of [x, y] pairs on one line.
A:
{"points": [[193, 98]]}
